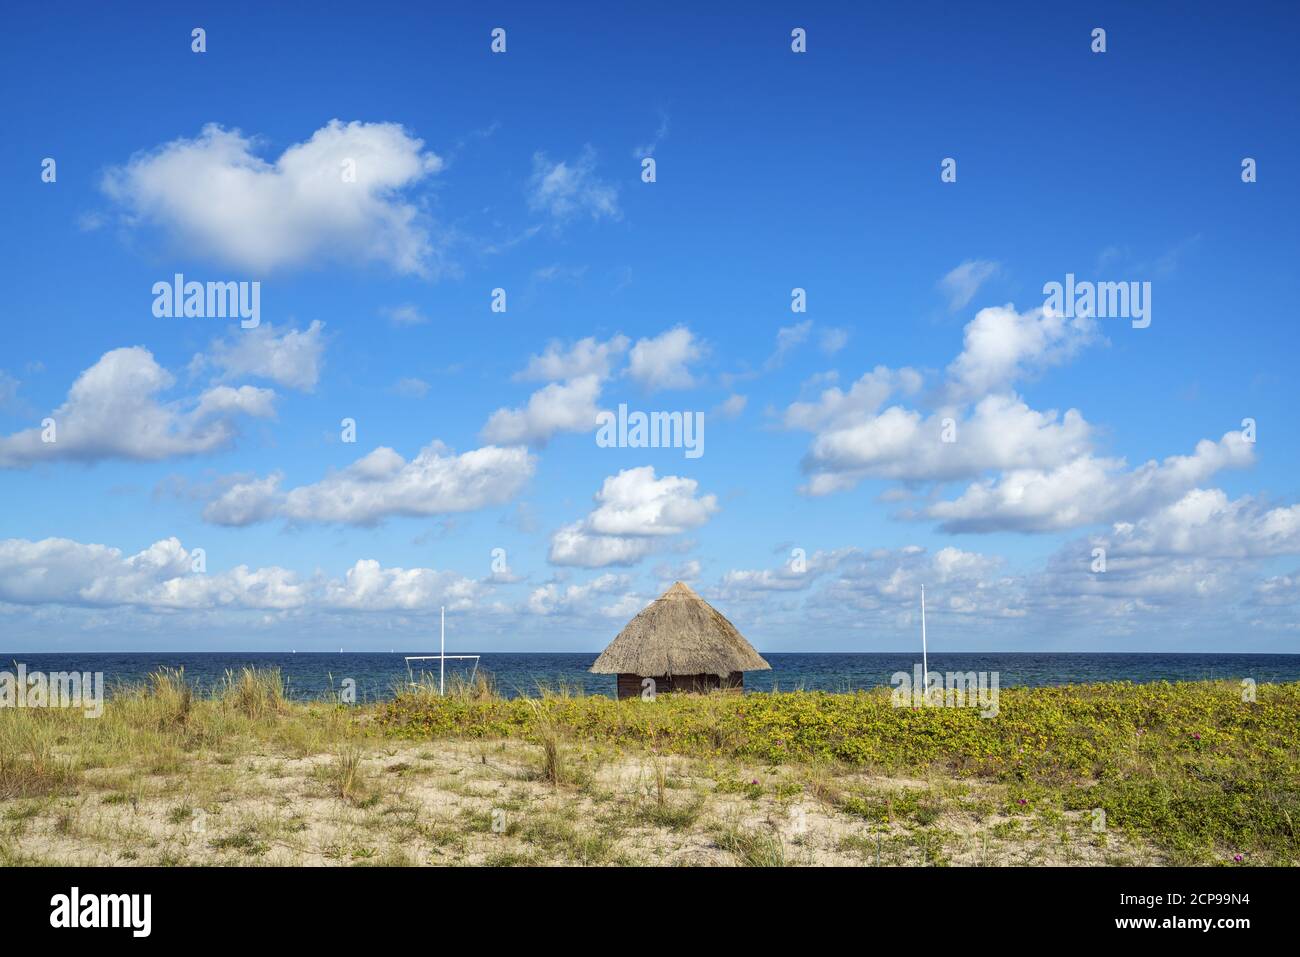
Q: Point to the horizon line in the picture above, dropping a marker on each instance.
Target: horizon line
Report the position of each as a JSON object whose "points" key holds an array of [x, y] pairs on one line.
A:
{"points": [[291, 651]]}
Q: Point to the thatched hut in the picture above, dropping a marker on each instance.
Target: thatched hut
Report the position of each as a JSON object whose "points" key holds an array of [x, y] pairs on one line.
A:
{"points": [[683, 643]]}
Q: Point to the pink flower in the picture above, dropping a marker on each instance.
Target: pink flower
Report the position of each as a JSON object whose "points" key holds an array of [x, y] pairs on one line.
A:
{"points": [[755, 781], [1196, 737], [1022, 801], [1238, 857]]}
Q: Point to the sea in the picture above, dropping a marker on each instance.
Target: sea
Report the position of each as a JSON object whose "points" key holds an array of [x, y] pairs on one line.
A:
{"points": [[375, 675]]}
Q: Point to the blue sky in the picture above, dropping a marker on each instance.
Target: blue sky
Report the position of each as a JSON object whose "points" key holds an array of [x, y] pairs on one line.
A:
{"points": [[825, 495]]}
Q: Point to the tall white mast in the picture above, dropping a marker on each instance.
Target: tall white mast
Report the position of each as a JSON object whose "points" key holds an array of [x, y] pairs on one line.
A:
{"points": [[925, 661], [442, 651]]}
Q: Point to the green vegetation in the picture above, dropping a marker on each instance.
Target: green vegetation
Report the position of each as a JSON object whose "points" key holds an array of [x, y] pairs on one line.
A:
{"points": [[1183, 773], [1189, 766]]}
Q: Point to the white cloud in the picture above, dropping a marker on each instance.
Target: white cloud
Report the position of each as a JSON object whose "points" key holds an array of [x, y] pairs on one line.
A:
{"points": [[405, 315], [368, 586], [568, 405], [1085, 490], [788, 338], [291, 358], [161, 578], [1279, 590], [113, 412], [1002, 346], [411, 388], [961, 284], [687, 571], [991, 427], [833, 340], [662, 362], [731, 407], [559, 407], [1000, 433], [568, 189], [635, 513], [555, 599], [836, 408], [877, 592], [1204, 523], [246, 501], [214, 194], [575, 545], [381, 485], [587, 356], [61, 571], [796, 574]]}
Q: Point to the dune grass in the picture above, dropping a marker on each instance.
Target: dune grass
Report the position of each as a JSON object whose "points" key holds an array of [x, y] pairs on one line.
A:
{"points": [[1189, 765], [1178, 773]]}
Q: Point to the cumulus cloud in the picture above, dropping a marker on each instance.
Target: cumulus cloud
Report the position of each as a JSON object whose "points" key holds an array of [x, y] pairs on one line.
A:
{"points": [[796, 574], [836, 408], [368, 586], [216, 195], [565, 190], [961, 284], [559, 407], [1207, 524], [291, 357], [113, 411], [877, 591], [663, 362], [979, 424], [1085, 490], [1278, 590], [566, 405], [61, 571], [381, 485], [1001, 432], [162, 578], [687, 571], [1002, 346], [557, 599], [635, 513], [587, 356]]}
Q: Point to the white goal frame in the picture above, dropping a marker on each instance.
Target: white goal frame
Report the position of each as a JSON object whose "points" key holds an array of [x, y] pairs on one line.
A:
{"points": [[442, 658]]}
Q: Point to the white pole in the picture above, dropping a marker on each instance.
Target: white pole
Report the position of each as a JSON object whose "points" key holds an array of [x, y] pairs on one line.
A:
{"points": [[925, 661], [442, 652]]}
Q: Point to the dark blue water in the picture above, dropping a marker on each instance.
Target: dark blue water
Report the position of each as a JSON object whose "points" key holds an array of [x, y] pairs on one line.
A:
{"points": [[313, 674]]}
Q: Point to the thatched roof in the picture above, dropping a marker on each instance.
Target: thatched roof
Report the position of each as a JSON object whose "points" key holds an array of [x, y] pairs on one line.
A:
{"points": [[679, 633]]}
